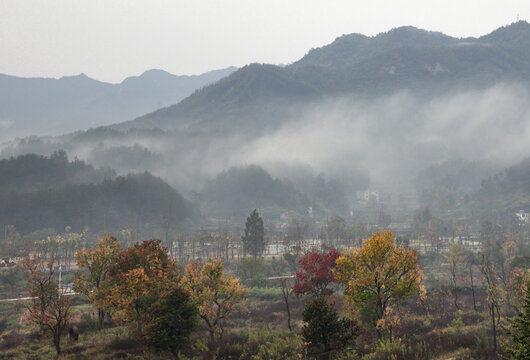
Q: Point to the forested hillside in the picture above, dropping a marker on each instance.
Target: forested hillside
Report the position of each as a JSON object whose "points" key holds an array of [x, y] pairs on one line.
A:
{"points": [[38, 192], [34, 172]]}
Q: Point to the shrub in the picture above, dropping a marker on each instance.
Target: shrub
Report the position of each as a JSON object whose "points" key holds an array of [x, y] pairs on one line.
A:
{"points": [[272, 345], [265, 293]]}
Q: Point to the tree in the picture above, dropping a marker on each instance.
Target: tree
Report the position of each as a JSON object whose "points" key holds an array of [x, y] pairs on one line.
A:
{"points": [[519, 331], [148, 296], [335, 231], [140, 275], [254, 238], [297, 229], [378, 274], [471, 262], [324, 331], [49, 307], [316, 274], [10, 241], [252, 271], [518, 286], [215, 293], [285, 286], [455, 257], [172, 319], [95, 284], [495, 295]]}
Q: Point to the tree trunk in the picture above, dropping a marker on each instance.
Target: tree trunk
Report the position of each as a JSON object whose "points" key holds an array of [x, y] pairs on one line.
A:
{"points": [[101, 318], [455, 294], [286, 298], [492, 311], [57, 343], [212, 338], [455, 289], [472, 288]]}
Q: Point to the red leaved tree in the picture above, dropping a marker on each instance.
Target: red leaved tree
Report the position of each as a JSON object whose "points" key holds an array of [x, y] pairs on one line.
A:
{"points": [[316, 274]]}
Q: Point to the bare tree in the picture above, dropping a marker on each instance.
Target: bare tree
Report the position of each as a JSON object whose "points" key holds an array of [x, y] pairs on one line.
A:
{"points": [[49, 307]]}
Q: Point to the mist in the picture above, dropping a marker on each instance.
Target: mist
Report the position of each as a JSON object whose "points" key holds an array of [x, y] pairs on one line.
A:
{"points": [[394, 136], [388, 139]]}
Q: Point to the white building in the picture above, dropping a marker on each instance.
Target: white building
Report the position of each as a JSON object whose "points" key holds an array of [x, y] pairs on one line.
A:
{"points": [[368, 194], [523, 216]]}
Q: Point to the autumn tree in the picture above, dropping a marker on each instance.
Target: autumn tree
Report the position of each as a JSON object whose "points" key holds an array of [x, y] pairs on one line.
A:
{"points": [[378, 274], [324, 330], [316, 274], [518, 285], [137, 276], [94, 283], [254, 238], [215, 293], [148, 295], [50, 309]]}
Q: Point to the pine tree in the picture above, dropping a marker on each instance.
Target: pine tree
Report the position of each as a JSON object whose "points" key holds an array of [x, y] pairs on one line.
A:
{"points": [[519, 331], [254, 238]]}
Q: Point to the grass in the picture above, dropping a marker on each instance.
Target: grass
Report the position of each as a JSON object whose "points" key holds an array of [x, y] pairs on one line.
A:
{"points": [[262, 333]]}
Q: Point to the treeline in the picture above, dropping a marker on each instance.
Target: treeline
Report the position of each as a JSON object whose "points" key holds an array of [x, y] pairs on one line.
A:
{"points": [[143, 288], [40, 193], [386, 310]]}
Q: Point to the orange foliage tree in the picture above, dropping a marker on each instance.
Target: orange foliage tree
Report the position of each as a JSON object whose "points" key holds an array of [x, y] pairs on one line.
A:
{"points": [[378, 274], [147, 295], [216, 293], [95, 283], [139, 276], [49, 307]]}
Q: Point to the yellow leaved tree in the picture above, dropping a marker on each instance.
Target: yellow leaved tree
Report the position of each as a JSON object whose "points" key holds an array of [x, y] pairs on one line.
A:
{"points": [[378, 274], [215, 293], [94, 282]]}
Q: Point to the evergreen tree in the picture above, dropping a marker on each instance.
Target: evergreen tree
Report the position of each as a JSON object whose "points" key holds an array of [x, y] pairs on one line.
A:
{"points": [[254, 238], [324, 331], [519, 331]]}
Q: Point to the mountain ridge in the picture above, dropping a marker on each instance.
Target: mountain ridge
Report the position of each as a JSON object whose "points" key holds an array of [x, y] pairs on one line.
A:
{"points": [[50, 106], [402, 58]]}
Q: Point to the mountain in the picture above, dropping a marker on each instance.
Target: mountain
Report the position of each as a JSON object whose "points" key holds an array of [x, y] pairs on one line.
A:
{"points": [[235, 101], [384, 106], [260, 97], [45, 106]]}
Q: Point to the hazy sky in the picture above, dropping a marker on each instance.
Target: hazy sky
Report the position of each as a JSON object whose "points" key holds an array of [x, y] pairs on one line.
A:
{"points": [[112, 39]]}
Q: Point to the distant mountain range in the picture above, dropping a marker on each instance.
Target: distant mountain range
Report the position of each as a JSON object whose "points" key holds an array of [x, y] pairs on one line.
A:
{"points": [[47, 106], [260, 96], [384, 107]]}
